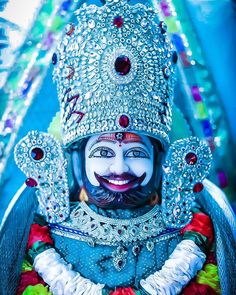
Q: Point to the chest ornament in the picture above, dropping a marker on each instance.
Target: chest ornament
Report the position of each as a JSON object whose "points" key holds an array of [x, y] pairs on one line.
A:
{"points": [[144, 231]]}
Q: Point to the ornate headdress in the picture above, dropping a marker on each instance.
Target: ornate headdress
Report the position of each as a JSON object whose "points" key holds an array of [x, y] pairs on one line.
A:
{"points": [[115, 72]]}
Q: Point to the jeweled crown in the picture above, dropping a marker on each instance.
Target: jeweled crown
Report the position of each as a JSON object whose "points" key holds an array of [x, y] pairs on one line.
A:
{"points": [[115, 72]]}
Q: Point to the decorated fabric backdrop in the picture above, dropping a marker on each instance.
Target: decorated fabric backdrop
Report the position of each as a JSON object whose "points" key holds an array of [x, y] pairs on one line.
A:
{"points": [[204, 35]]}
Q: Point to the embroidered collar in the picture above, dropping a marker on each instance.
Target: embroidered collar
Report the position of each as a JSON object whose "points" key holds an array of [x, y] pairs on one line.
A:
{"points": [[104, 230]]}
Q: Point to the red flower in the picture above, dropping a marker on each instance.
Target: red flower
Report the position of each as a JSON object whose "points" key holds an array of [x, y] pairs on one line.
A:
{"points": [[201, 223], [39, 233], [198, 289], [123, 291], [29, 278]]}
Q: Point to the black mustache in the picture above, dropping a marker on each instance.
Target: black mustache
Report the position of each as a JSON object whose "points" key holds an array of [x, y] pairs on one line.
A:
{"points": [[104, 197]]}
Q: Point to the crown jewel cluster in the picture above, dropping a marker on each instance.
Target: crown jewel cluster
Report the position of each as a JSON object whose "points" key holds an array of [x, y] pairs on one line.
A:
{"points": [[114, 72]]}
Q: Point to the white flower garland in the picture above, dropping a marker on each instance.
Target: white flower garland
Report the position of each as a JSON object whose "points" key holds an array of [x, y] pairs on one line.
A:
{"points": [[184, 263], [61, 278]]}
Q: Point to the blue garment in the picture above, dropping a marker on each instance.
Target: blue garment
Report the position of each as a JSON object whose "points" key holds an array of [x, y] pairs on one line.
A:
{"points": [[96, 262], [215, 204]]}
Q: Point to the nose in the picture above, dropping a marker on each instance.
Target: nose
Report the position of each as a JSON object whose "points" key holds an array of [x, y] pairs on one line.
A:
{"points": [[119, 165]]}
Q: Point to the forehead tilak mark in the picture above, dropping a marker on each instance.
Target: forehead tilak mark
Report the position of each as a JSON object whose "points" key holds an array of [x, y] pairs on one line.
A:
{"points": [[124, 137]]}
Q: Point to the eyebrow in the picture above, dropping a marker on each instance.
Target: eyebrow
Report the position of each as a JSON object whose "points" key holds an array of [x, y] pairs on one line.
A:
{"points": [[115, 141], [137, 141], [102, 139]]}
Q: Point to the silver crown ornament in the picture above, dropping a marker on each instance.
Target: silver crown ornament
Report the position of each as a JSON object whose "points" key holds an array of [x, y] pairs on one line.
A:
{"points": [[187, 164], [114, 71], [40, 156]]}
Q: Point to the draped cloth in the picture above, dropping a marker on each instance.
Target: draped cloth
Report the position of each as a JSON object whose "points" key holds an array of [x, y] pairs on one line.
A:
{"points": [[215, 204], [14, 231]]}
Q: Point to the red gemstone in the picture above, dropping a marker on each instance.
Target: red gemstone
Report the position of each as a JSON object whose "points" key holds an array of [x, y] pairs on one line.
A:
{"points": [[37, 153], [122, 65], [198, 187], [124, 121], [191, 158], [31, 182], [118, 22]]}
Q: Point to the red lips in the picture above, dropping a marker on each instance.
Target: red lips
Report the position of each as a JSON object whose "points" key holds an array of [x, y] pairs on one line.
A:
{"points": [[120, 183]]}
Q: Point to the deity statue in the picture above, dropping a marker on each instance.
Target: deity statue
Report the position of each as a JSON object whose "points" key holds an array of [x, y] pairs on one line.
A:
{"points": [[118, 207]]}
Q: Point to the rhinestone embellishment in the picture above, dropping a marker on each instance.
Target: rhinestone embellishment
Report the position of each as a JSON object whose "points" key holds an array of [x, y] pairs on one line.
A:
{"points": [[119, 258], [124, 121], [31, 182], [37, 154], [122, 65], [116, 231], [40, 156], [198, 187], [118, 22], [187, 164], [191, 158]]}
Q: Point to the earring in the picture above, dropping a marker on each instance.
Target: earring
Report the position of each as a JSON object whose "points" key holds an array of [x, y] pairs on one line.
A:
{"points": [[155, 199], [187, 164], [40, 157], [83, 195]]}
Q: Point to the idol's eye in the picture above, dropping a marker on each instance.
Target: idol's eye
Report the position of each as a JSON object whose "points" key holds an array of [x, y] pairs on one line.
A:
{"points": [[102, 152], [137, 153]]}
